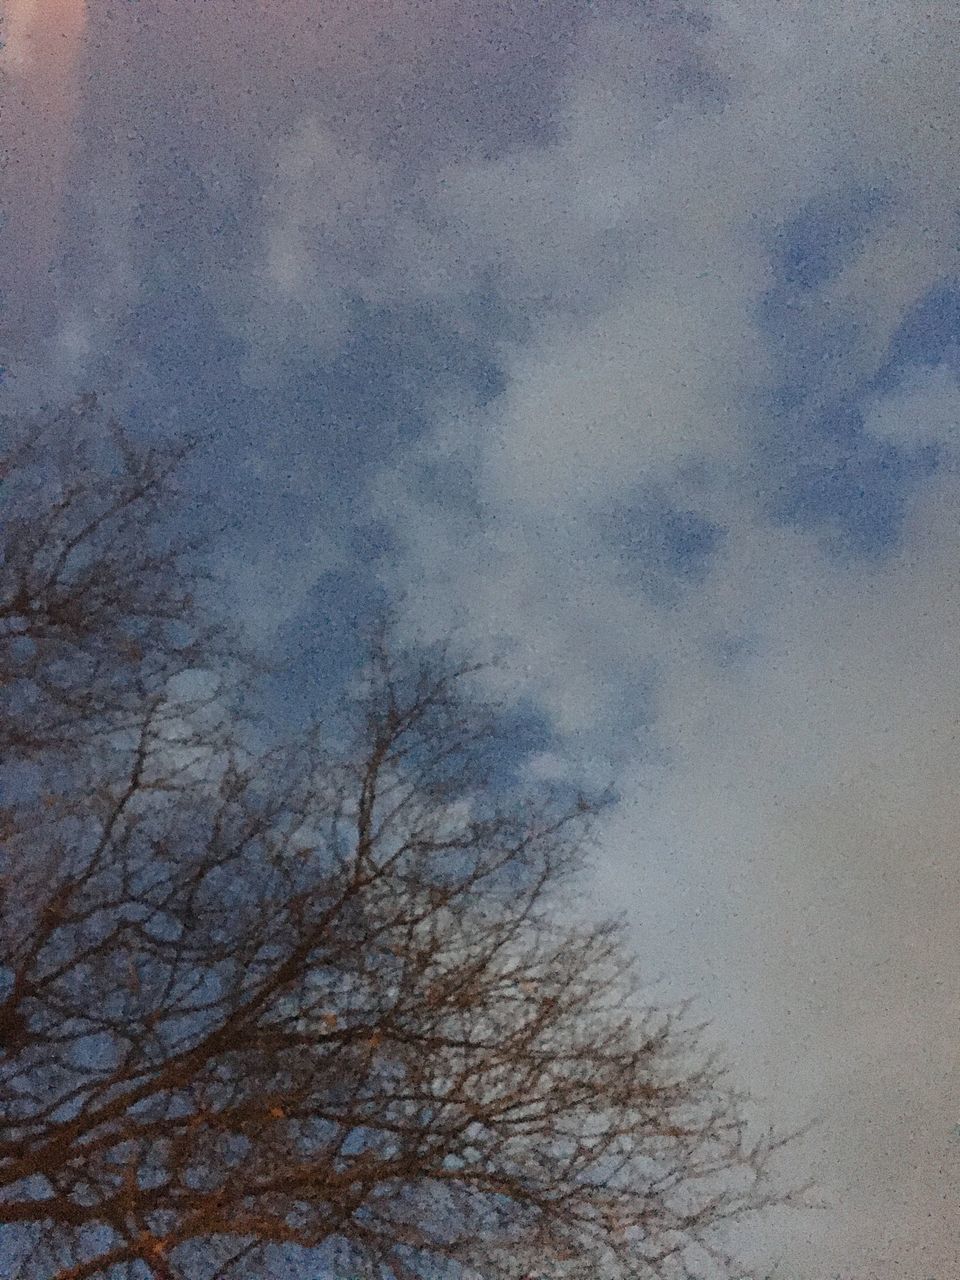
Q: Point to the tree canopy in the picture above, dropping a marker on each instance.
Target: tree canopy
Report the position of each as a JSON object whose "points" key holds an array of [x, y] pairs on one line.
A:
{"points": [[329, 1002]]}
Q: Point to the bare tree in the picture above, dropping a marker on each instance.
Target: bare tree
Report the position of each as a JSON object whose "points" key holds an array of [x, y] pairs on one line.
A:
{"points": [[327, 1002], [97, 590]]}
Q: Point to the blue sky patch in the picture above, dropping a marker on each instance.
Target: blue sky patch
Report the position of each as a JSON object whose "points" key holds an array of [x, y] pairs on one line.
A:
{"points": [[662, 549], [816, 243]]}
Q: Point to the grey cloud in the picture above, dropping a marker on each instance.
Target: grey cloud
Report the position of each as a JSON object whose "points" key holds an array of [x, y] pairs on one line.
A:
{"points": [[795, 859]]}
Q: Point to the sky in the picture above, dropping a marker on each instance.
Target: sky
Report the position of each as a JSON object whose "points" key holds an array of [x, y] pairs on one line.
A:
{"points": [[619, 338]]}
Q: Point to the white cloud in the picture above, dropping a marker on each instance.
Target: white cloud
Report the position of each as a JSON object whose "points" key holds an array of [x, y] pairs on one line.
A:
{"points": [[796, 857], [338, 226], [798, 866], [923, 409]]}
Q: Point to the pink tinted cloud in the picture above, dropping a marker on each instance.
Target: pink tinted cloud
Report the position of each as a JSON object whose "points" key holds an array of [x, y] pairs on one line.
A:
{"points": [[39, 96], [405, 73]]}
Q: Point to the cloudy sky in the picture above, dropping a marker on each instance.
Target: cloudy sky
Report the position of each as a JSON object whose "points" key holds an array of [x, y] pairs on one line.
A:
{"points": [[622, 338]]}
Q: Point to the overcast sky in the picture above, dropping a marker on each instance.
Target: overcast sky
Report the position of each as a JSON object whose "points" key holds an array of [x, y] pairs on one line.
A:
{"points": [[623, 338]]}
